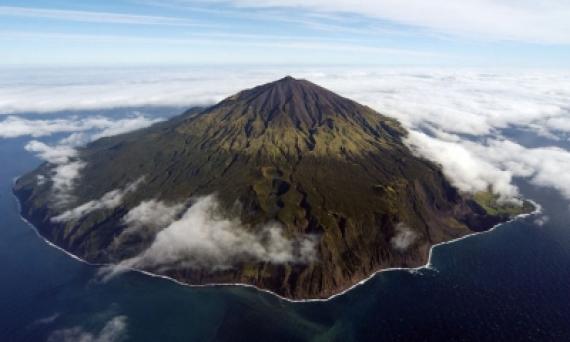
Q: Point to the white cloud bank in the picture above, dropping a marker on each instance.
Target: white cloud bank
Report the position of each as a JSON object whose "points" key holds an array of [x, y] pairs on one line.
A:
{"points": [[64, 156], [455, 100], [528, 21], [109, 200], [205, 238], [461, 101], [15, 126], [59, 154], [50, 90], [543, 166], [152, 213], [147, 219], [468, 171], [476, 165], [65, 172], [113, 331]]}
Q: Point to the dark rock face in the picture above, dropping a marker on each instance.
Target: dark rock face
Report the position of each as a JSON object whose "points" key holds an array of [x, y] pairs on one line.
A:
{"points": [[288, 151]]}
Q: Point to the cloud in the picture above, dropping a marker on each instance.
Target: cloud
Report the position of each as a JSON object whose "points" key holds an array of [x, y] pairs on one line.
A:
{"points": [[65, 172], [527, 21], [114, 330], [116, 127], [15, 126], [468, 171], [59, 154], [41, 179], [206, 239], [560, 124], [147, 219], [542, 220], [64, 156], [109, 200], [543, 166], [403, 237], [93, 16], [47, 320], [461, 101], [152, 213], [63, 180], [84, 88], [475, 165]]}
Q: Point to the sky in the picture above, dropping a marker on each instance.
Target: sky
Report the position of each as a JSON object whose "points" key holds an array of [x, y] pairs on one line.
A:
{"points": [[442, 33]]}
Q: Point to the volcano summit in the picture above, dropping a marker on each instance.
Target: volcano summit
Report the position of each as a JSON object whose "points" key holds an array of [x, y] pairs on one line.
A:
{"points": [[286, 186]]}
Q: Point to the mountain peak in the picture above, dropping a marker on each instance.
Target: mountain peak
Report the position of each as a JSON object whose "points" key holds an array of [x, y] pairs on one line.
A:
{"points": [[285, 88], [287, 78], [293, 100], [289, 117], [288, 82]]}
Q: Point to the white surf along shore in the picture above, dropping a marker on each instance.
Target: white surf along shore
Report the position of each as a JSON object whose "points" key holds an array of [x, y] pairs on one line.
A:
{"points": [[427, 265]]}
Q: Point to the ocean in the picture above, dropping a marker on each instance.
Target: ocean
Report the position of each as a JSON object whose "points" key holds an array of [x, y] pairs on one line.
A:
{"points": [[509, 284]]}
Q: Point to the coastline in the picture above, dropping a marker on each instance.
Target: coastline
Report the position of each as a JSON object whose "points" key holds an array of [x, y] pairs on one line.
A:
{"points": [[427, 265]]}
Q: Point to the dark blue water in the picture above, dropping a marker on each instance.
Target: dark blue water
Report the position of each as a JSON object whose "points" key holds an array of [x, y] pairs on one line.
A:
{"points": [[511, 284]]}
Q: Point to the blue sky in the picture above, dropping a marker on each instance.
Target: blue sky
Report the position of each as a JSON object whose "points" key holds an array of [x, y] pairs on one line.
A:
{"points": [[501, 33]]}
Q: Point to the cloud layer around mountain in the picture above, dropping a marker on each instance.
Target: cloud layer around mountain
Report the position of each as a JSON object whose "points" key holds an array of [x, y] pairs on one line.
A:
{"points": [[204, 237], [456, 100], [109, 200], [65, 171], [456, 116], [63, 155], [16, 126]]}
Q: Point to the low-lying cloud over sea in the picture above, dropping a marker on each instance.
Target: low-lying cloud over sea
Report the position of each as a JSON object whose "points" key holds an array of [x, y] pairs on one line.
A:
{"points": [[114, 330], [459, 100], [458, 118]]}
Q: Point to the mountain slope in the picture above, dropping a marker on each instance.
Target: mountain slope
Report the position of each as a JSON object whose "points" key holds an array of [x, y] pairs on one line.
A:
{"points": [[290, 152]]}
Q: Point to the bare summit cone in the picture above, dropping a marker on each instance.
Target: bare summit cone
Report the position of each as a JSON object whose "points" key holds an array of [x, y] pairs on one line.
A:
{"points": [[290, 117], [294, 101]]}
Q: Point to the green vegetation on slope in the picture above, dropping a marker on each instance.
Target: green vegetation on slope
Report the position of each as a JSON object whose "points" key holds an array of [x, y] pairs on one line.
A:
{"points": [[493, 205]]}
